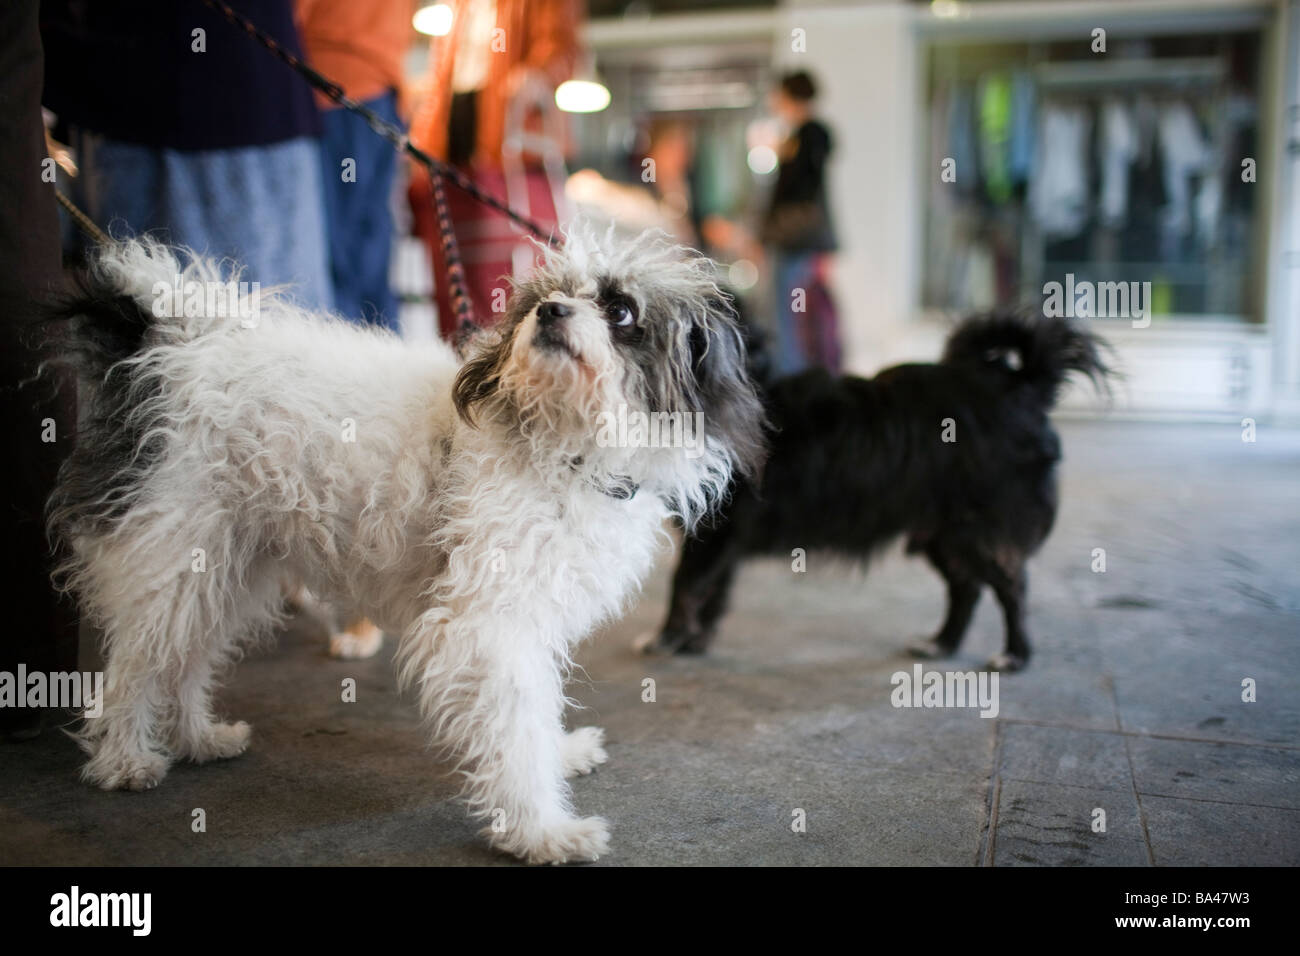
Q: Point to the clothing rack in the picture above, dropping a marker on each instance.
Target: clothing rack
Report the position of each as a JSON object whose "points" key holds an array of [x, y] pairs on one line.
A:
{"points": [[1126, 74]]}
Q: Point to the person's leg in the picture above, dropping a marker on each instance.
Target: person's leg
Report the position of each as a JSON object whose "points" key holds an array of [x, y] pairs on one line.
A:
{"points": [[260, 206], [376, 228], [37, 423], [358, 169], [334, 149], [789, 270], [125, 188], [827, 323], [340, 188], [296, 244]]}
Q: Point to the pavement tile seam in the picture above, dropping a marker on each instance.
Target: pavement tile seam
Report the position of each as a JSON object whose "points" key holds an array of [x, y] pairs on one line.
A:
{"points": [[1146, 735], [989, 836], [1142, 813], [1225, 803], [1104, 788]]}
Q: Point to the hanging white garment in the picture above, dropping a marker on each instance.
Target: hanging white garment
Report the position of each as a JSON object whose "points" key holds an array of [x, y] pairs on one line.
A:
{"points": [[1058, 193], [1117, 147], [1185, 153]]}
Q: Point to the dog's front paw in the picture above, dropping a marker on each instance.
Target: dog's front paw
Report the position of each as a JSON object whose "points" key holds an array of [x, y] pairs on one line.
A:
{"points": [[673, 641], [575, 840], [930, 650], [220, 742], [583, 750], [135, 771], [647, 642], [358, 641], [1008, 662]]}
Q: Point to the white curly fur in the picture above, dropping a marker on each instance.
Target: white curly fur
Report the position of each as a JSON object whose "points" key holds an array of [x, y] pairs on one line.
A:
{"points": [[489, 548]]}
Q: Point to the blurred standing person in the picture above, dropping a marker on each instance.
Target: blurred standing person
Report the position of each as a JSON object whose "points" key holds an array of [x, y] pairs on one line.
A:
{"points": [[187, 128], [798, 234], [660, 197], [359, 46], [671, 154]]}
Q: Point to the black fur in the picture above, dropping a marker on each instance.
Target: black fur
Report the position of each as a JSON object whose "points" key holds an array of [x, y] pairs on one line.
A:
{"points": [[723, 386], [117, 441], [857, 462]]}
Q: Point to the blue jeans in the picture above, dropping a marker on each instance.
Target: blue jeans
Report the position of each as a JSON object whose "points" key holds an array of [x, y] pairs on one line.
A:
{"points": [[258, 205], [809, 337], [357, 171], [792, 271]]}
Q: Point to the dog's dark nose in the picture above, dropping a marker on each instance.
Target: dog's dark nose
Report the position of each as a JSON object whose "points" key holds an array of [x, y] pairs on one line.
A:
{"points": [[550, 311]]}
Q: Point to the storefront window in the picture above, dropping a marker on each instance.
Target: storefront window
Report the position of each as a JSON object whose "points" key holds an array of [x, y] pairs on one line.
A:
{"points": [[1051, 163]]}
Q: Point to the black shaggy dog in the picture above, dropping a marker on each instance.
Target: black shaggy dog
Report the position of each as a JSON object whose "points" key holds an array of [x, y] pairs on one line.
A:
{"points": [[959, 456]]}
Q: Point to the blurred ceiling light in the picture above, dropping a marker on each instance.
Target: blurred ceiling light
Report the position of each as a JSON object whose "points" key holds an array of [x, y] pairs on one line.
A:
{"points": [[762, 160], [434, 20], [743, 274], [582, 96], [945, 8]]}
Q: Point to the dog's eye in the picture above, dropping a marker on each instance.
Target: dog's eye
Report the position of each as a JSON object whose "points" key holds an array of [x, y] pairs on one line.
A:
{"points": [[620, 313]]}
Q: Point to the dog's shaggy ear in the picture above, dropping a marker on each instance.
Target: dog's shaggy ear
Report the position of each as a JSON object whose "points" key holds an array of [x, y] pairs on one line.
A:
{"points": [[479, 377], [723, 387]]}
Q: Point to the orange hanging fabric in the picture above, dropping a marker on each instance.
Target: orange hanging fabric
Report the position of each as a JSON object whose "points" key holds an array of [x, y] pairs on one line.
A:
{"points": [[535, 35], [494, 50]]}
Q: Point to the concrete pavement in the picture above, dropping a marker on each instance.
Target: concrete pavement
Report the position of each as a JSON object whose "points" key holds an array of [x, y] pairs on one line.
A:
{"points": [[1132, 706]]}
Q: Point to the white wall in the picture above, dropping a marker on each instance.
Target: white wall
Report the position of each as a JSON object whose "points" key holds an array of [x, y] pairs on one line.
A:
{"points": [[1284, 254]]}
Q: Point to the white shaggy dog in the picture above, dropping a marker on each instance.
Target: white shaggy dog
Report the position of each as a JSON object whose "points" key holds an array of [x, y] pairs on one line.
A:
{"points": [[473, 510]]}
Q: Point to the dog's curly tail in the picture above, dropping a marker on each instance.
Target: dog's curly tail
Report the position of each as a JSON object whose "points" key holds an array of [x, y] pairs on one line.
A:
{"points": [[132, 294], [102, 325], [101, 328], [1039, 352]]}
